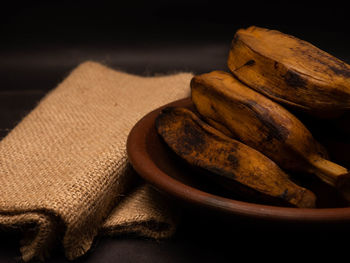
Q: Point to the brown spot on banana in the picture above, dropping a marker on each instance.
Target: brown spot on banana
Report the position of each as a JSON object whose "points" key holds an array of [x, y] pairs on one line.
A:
{"points": [[237, 166], [294, 80], [275, 130], [248, 63]]}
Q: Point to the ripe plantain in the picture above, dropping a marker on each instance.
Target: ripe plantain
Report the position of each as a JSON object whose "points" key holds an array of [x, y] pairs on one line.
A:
{"points": [[290, 71], [246, 169], [263, 125]]}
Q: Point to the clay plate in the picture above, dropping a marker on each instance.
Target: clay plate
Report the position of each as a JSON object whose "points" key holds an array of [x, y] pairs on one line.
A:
{"points": [[158, 165]]}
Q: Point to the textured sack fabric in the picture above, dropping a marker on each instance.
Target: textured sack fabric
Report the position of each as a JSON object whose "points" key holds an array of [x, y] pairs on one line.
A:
{"points": [[64, 173], [144, 213]]}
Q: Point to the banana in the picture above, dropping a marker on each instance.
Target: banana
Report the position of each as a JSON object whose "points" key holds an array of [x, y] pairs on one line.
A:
{"points": [[244, 168], [290, 71], [262, 124]]}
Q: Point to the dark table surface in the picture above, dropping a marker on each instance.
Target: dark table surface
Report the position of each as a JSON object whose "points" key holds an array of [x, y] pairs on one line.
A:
{"points": [[41, 44]]}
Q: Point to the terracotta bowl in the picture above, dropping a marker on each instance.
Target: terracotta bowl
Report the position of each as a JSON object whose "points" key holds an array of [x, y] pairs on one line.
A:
{"points": [[158, 165]]}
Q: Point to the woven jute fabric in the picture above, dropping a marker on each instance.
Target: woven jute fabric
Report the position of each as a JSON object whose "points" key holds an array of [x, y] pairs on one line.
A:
{"points": [[142, 213], [64, 172]]}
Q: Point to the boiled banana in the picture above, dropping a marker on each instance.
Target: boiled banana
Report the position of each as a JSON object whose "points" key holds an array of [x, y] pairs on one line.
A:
{"points": [[249, 171], [250, 117], [290, 71]]}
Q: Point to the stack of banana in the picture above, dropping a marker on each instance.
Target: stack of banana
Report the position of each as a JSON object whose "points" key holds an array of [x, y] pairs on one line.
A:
{"points": [[241, 129]]}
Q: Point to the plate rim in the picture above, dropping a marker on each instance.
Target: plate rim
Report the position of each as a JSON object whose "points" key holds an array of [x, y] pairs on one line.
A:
{"points": [[149, 171]]}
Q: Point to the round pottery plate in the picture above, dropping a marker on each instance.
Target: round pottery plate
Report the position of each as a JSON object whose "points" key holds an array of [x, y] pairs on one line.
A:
{"points": [[158, 165]]}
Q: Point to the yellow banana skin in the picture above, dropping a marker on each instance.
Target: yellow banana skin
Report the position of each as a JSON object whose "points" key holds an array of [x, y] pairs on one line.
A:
{"points": [[249, 171], [263, 125], [290, 71]]}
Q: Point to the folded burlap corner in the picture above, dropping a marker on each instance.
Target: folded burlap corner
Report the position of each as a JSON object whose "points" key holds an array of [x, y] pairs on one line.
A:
{"points": [[64, 173]]}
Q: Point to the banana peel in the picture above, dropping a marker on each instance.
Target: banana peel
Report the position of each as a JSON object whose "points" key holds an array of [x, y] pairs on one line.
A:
{"points": [[290, 71], [248, 116], [245, 169]]}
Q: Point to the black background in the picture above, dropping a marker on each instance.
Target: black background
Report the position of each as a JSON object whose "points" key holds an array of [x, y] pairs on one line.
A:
{"points": [[41, 41]]}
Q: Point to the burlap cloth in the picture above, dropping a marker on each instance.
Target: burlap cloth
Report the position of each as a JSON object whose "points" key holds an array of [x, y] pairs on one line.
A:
{"points": [[64, 173]]}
